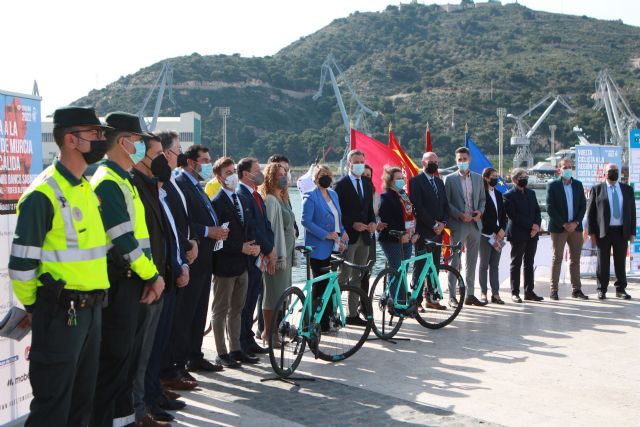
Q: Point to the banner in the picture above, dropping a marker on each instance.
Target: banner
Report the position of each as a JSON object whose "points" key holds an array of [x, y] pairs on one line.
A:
{"points": [[634, 181], [590, 161], [20, 162], [409, 167]]}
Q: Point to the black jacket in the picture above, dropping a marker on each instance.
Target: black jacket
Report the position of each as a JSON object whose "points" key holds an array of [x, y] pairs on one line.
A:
{"points": [[180, 216], [391, 212], [428, 206], [599, 212], [557, 205], [490, 217], [523, 211], [258, 221], [355, 210]]}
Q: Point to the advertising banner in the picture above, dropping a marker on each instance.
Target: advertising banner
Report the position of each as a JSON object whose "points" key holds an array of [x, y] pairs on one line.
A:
{"points": [[634, 181], [590, 161], [20, 162]]}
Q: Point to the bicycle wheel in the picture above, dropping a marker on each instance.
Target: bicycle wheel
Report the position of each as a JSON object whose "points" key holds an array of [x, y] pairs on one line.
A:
{"points": [[385, 323], [286, 346], [339, 342], [436, 319]]}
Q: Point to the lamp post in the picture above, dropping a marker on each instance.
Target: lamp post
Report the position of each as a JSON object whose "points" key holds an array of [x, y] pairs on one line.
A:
{"points": [[501, 112], [553, 128], [224, 113]]}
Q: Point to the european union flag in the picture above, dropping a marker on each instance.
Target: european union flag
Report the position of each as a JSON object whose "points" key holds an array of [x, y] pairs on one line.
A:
{"points": [[479, 161]]}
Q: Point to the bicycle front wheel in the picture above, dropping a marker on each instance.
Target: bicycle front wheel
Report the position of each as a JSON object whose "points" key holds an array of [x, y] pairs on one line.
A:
{"points": [[338, 341], [385, 324], [437, 318], [286, 345]]}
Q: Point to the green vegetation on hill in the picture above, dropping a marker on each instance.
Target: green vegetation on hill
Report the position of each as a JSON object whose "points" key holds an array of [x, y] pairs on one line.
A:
{"points": [[413, 63]]}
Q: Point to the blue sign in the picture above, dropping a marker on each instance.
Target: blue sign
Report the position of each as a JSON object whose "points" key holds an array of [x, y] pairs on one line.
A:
{"points": [[590, 162]]}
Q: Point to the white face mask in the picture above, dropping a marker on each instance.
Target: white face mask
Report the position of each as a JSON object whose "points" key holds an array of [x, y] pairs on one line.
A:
{"points": [[231, 182]]}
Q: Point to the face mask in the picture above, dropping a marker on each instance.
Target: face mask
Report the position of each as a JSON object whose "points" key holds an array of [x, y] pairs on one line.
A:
{"points": [[522, 182], [463, 166], [324, 181], [140, 152], [231, 182], [160, 168], [257, 178], [357, 169], [97, 152], [206, 171], [432, 168], [399, 184], [612, 174], [181, 160], [282, 182], [567, 173], [493, 182]]}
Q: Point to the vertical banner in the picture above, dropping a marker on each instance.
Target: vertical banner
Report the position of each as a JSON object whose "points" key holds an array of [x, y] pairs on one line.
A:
{"points": [[634, 181], [590, 161], [20, 162]]}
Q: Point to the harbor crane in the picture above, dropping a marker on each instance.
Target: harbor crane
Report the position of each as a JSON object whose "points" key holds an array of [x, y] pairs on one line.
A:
{"points": [[359, 116], [163, 81], [522, 132]]}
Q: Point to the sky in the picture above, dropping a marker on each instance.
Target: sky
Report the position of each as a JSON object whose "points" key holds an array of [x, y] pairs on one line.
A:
{"points": [[73, 46]]}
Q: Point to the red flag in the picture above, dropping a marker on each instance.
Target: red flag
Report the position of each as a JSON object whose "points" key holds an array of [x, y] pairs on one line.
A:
{"points": [[408, 166], [377, 154]]}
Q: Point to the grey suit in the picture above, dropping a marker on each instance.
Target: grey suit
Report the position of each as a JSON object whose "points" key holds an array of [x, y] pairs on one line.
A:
{"points": [[466, 232]]}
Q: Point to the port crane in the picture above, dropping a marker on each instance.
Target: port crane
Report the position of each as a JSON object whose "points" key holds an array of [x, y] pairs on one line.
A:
{"points": [[163, 82]]}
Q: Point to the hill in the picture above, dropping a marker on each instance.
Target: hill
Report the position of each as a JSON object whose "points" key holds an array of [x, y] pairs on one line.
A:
{"points": [[415, 64]]}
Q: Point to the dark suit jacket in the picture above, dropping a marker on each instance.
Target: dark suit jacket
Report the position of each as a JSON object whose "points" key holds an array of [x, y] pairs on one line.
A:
{"points": [[230, 261], [490, 217], [523, 211], [428, 207], [557, 205], [599, 213], [391, 212], [258, 221], [180, 216], [355, 210]]}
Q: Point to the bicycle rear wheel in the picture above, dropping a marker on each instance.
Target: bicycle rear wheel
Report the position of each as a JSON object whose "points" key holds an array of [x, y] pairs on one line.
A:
{"points": [[286, 345], [385, 324], [436, 319], [342, 341]]}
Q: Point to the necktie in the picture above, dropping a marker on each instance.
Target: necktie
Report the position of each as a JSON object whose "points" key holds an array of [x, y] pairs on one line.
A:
{"points": [[359, 189], [258, 200], [236, 204], [433, 185], [207, 203], [615, 202]]}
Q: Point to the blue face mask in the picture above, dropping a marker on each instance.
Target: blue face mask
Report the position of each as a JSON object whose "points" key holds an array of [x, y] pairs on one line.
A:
{"points": [[463, 166], [567, 173], [206, 172], [399, 183], [357, 169], [140, 152]]}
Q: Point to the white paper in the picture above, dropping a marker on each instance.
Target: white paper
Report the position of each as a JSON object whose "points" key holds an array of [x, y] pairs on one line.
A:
{"points": [[220, 243]]}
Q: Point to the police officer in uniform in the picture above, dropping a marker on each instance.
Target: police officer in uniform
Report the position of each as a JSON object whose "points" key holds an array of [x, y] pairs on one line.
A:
{"points": [[58, 271], [133, 276]]}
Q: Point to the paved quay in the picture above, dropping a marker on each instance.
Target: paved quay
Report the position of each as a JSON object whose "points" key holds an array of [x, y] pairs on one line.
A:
{"points": [[568, 363]]}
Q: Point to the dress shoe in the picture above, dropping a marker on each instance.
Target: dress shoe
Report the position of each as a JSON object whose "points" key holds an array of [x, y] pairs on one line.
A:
{"points": [[579, 295], [243, 357], [179, 384], [170, 395], [227, 361], [435, 305], [496, 299], [602, 295], [160, 415], [453, 302], [484, 299], [187, 376], [172, 405], [203, 365], [472, 300], [356, 321], [531, 296], [554, 295], [623, 295], [256, 349], [516, 298], [149, 421]]}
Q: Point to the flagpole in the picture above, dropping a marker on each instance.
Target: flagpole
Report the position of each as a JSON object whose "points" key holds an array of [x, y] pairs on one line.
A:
{"points": [[466, 132]]}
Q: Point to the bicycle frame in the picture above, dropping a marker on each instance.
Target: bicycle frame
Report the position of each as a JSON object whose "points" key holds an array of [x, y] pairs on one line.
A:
{"points": [[428, 269]]}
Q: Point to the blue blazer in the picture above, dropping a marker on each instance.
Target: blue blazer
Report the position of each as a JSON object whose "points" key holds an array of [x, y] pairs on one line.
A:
{"points": [[318, 221]]}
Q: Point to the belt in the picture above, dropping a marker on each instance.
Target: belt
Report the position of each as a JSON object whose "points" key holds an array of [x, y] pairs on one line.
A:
{"points": [[82, 300]]}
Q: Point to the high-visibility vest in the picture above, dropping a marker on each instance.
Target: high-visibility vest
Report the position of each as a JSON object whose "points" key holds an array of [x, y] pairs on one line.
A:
{"points": [[74, 249], [140, 258]]}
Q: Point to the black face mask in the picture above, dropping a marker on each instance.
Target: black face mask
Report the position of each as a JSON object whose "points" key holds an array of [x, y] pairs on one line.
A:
{"points": [[432, 168], [612, 174], [522, 182], [97, 152], [324, 181], [160, 168], [493, 182], [181, 160]]}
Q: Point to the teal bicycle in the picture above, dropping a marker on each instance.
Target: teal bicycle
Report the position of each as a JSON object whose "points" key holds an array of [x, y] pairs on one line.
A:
{"points": [[298, 321], [392, 300]]}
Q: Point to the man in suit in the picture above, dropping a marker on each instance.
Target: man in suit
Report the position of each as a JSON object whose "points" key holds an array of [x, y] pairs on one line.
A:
{"points": [[230, 268], [566, 206], [356, 203], [466, 197], [192, 302], [251, 177], [612, 225], [429, 199], [523, 227]]}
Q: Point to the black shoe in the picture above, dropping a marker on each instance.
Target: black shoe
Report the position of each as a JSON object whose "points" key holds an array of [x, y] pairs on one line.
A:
{"points": [[244, 357], [172, 405], [554, 296], [453, 302], [623, 295], [602, 295], [579, 295], [516, 298], [227, 361], [203, 365], [472, 300], [356, 321], [185, 375], [496, 299], [531, 296], [256, 349], [160, 415]]}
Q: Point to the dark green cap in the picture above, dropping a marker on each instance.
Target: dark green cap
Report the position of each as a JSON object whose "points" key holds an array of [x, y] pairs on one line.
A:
{"points": [[75, 116], [125, 122]]}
